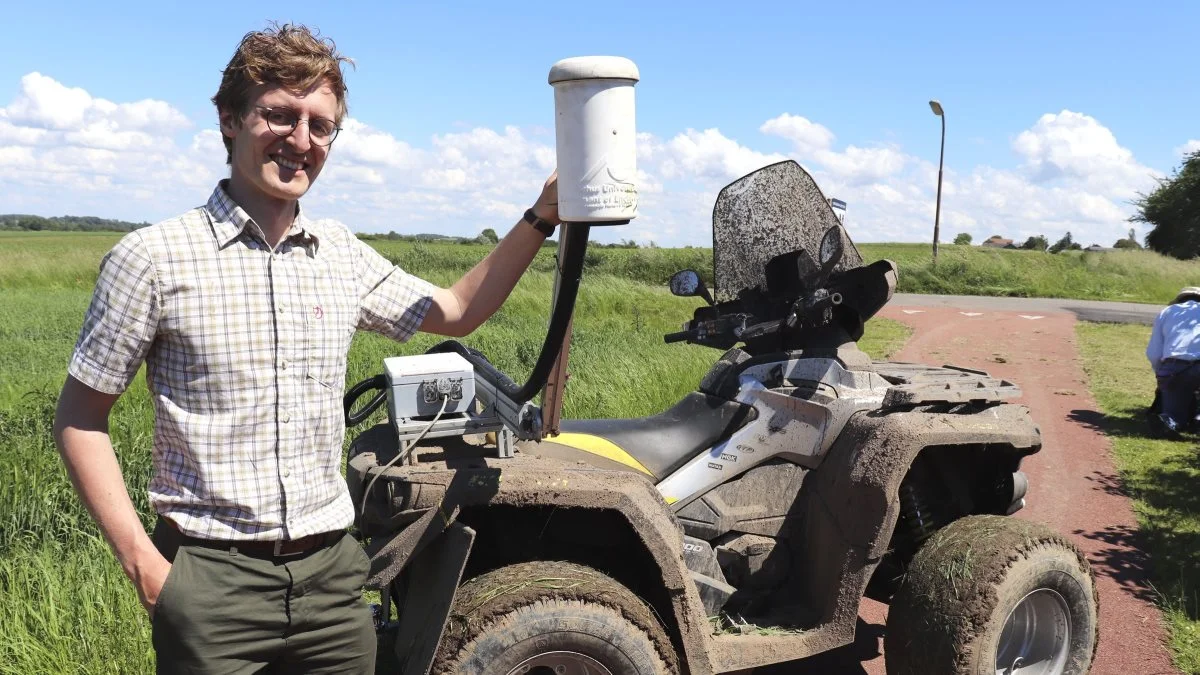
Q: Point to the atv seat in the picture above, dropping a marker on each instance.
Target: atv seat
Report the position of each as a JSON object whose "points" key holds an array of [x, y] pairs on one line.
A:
{"points": [[660, 443]]}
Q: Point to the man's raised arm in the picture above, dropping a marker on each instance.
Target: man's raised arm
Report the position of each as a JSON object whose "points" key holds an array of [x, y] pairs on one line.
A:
{"points": [[460, 309]]}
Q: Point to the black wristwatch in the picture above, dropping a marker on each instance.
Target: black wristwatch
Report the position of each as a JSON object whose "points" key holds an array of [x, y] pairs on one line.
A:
{"points": [[543, 226]]}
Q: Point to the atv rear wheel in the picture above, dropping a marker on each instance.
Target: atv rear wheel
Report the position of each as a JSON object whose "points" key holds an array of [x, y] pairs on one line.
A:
{"points": [[997, 596], [553, 618]]}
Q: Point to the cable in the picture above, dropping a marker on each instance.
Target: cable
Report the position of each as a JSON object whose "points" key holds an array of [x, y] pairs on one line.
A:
{"points": [[401, 453]]}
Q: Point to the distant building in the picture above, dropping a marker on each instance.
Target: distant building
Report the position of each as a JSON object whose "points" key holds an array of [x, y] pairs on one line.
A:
{"points": [[1097, 248], [998, 242]]}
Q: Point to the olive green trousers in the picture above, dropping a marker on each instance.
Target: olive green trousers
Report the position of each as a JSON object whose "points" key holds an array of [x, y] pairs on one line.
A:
{"points": [[222, 611]]}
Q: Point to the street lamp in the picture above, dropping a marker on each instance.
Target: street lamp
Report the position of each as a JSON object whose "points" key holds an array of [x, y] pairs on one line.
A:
{"points": [[937, 216]]}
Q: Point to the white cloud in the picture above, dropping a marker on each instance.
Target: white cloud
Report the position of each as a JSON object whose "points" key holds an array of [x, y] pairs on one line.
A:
{"points": [[65, 151], [1069, 143], [359, 142], [1074, 146], [16, 156], [43, 102], [807, 136], [861, 166], [1189, 147], [11, 133], [708, 154], [69, 152], [47, 104], [208, 142]]}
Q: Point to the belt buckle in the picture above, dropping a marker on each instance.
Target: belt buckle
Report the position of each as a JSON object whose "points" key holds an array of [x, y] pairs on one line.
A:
{"points": [[278, 547]]}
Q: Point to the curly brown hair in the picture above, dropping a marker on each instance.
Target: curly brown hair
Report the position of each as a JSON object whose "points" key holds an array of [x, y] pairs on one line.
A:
{"points": [[290, 56]]}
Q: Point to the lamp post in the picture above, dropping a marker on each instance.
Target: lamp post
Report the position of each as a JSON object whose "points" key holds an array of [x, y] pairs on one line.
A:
{"points": [[937, 216]]}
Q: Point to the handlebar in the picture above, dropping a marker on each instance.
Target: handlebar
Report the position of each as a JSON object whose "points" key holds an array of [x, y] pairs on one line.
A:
{"points": [[743, 326], [681, 336]]}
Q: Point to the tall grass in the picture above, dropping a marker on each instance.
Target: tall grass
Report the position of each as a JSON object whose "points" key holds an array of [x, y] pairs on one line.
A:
{"points": [[1128, 276], [68, 608]]}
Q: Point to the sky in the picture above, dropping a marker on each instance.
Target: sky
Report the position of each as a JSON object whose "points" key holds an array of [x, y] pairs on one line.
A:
{"points": [[1058, 115]]}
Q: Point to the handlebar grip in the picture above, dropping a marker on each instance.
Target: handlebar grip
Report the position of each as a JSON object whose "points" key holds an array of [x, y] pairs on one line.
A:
{"points": [[681, 336]]}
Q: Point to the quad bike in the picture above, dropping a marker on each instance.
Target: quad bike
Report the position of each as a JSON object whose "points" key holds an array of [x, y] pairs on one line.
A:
{"points": [[739, 528]]}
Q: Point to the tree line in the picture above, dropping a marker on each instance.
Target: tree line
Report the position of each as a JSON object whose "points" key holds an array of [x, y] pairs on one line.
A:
{"points": [[1041, 243], [28, 223]]}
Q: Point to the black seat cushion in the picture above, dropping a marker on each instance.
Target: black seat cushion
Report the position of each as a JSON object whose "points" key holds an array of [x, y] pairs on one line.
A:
{"points": [[664, 442]]}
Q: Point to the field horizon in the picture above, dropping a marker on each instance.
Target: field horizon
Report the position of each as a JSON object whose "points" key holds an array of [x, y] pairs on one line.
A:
{"points": [[55, 259]]}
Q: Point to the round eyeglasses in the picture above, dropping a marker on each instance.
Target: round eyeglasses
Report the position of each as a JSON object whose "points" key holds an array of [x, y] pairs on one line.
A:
{"points": [[283, 121]]}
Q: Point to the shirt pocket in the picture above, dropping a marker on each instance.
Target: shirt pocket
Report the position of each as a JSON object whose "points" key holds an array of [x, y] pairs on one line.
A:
{"points": [[329, 310]]}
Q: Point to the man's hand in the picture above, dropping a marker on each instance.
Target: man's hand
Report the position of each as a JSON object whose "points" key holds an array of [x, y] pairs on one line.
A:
{"points": [[546, 206], [148, 575]]}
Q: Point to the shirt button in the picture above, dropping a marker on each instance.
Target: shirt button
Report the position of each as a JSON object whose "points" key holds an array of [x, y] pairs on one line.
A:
{"points": [[287, 470], [286, 417], [282, 309], [283, 364]]}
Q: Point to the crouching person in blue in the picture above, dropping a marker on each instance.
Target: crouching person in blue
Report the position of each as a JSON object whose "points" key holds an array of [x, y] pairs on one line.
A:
{"points": [[1174, 354]]}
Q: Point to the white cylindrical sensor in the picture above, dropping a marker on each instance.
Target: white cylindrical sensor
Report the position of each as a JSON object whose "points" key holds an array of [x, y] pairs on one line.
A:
{"points": [[594, 126]]}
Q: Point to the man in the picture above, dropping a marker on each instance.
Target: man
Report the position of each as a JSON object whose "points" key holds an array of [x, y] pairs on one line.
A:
{"points": [[243, 312], [1174, 354]]}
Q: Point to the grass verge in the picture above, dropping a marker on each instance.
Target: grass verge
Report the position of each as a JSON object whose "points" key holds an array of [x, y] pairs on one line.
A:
{"points": [[1162, 477]]}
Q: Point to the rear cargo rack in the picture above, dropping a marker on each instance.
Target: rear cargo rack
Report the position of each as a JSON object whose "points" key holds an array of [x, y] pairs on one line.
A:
{"points": [[914, 383]]}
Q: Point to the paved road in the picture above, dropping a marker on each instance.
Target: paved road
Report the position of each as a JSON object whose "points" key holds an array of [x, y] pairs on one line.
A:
{"points": [[1084, 310]]}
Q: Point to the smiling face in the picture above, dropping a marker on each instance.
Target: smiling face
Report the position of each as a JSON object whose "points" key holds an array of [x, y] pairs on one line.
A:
{"points": [[268, 167]]}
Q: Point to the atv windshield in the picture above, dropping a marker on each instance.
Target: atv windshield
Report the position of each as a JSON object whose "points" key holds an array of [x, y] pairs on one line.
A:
{"points": [[777, 209]]}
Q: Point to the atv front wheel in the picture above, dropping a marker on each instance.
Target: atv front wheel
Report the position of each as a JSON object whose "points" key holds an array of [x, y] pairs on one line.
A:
{"points": [[554, 618], [994, 595]]}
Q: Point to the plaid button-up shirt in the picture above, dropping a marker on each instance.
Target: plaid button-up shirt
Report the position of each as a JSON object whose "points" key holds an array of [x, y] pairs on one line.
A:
{"points": [[245, 350]]}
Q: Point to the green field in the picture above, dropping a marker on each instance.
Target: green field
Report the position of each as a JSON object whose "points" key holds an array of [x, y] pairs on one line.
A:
{"points": [[1162, 477], [66, 607], [68, 260]]}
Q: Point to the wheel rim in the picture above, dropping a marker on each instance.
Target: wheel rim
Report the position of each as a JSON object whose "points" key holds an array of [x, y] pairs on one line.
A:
{"points": [[560, 663], [1037, 636]]}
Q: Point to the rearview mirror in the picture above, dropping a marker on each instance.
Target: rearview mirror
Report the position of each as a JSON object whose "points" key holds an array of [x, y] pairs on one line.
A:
{"points": [[831, 249], [687, 283]]}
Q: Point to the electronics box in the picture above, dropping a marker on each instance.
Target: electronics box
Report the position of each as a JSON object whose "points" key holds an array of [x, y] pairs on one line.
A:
{"points": [[416, 385]]}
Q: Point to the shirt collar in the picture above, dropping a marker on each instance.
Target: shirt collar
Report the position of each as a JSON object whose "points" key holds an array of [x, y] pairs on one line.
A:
{"points": [[229, 221]]}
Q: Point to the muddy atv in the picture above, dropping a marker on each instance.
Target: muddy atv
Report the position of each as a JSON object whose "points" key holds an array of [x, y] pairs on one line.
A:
{"points": [[741, 527]]}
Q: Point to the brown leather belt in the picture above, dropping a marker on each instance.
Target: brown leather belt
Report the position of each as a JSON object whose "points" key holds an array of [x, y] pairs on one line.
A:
{"points": [[263, 549]]}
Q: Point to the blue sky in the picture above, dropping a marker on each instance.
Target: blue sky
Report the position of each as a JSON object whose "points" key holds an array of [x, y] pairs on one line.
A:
{"points": [[1057, 113]]}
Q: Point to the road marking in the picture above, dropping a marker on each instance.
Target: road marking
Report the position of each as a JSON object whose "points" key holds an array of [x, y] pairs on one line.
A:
{"points": [[1030, 317], [913, 311], [971, 313]]}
